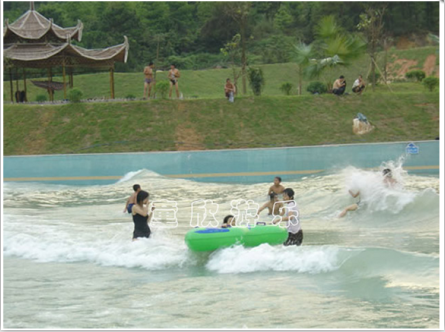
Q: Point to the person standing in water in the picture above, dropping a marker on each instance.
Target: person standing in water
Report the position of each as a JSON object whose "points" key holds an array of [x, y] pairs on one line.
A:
{"points": [[276, 188], [141, 217], [132, 199], [292, 216], [388, 180], [273, 206]]}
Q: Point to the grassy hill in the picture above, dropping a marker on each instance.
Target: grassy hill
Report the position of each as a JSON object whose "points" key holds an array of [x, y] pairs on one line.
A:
{"points": [[210, 83], [267, 121], [205, 120]]}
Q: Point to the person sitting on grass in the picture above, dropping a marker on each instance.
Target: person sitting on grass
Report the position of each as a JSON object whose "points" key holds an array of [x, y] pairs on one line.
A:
{"points": [[229, 90], [359, 85], [339, 86]]}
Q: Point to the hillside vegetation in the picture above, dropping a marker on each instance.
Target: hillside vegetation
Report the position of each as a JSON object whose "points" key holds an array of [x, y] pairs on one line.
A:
{"points": [[267, 121], [401, 111]]}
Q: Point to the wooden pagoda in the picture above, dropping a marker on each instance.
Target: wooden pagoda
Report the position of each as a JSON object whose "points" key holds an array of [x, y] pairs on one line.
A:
{"points": [[33, 41]]}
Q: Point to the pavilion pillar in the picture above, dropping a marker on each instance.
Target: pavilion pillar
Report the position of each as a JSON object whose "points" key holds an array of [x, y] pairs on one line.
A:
{"points": [[11, 85], [16, 79], [50, 78], [71, 78], [64, 79], [24, 85], [112, 81]]}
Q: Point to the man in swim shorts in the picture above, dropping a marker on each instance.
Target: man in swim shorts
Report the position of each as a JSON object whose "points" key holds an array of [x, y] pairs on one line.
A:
{"points": [[173, 76], [132, 199], [149, 80], [277, 187]]}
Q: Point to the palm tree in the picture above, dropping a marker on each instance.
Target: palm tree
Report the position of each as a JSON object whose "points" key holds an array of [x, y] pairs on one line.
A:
{"points": [[334, 47], [302, 55]]}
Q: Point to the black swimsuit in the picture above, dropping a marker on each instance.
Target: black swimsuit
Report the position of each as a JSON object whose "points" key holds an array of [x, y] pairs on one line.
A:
{"points": [[141, 228]]}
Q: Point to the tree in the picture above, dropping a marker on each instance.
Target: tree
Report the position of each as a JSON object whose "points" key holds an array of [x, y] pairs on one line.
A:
{"points": [[302, 54], [334, 48], [372, 24], [232, 51], [239, 11], [256, 80]]}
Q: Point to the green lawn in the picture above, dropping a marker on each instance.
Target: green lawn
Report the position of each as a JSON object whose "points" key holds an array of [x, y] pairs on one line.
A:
{"points": [[210, 83], [268, 121], [205, 120]]}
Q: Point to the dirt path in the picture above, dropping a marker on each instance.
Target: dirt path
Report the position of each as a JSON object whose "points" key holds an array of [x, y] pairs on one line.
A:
{"points": [[400, 67], [430, 65]]}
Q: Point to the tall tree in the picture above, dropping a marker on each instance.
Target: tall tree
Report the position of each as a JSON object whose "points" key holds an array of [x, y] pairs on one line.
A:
{"points": [[239, 11], [372, 24]]}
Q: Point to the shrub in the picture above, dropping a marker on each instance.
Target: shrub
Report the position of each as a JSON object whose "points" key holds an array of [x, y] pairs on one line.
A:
{"points": [[130, 96], [256, 80], [377, 77], [317, 87], [41, 98], [161, 89], [286, 88], [75, 95], [419, 75], [430, 82]]}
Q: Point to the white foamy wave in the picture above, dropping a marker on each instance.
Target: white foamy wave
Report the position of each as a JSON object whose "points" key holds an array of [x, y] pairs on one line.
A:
{"points": [[374, 193], [157, 252], [129, 176], [310, 259]]}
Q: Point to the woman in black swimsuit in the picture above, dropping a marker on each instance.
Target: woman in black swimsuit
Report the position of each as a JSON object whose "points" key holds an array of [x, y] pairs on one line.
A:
{"points": [[141, 218]]}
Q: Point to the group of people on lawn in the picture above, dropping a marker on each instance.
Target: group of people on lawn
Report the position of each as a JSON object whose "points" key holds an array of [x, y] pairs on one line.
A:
{"points": [[338, 88]]}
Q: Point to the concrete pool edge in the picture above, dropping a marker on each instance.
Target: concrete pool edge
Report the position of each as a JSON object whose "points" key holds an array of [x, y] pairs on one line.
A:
{"points": [[240, 165]]}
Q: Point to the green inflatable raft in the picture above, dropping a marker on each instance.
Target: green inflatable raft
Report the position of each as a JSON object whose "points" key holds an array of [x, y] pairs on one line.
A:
{"points": [[209, 239]]}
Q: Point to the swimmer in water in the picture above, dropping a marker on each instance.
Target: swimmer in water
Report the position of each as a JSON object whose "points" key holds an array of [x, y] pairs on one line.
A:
{"points": [[273, 206], [352, 207], [132, 199], [277, 187], [228, 221], [388, 180], [141, 217]]}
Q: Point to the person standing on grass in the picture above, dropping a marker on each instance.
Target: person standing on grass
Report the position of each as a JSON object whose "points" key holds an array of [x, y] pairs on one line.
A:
{"points": [[149, 80], [173, 76]]}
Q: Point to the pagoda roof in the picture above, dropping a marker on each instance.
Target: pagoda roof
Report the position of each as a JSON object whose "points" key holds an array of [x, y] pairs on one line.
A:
{"points": [[43, 55], [33, 26]]}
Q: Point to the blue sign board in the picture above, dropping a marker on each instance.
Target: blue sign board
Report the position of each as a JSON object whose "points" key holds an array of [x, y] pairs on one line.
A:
{"points": [[412, 148]]}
